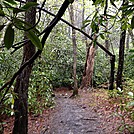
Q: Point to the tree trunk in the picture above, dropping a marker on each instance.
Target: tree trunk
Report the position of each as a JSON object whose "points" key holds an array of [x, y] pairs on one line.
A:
{"points": [[132, 36], [89, 66], [84, 38], [75, 91], [107, 44], [127, 41], [121, 54], [22, 82], [111, 80]]}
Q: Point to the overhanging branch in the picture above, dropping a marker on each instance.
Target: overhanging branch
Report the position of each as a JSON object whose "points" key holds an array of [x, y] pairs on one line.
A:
{"points": [[47, 31], [81, 31]]}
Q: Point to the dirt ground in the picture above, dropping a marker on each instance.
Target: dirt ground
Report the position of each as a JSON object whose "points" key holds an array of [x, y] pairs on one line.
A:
{"points": [[89, 113]]}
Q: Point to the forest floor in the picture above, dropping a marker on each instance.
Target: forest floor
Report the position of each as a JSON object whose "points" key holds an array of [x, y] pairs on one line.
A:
{"points": [[89, 113]]}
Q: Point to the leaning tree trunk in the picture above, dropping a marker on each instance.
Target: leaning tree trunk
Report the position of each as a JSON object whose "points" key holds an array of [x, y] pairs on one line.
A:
{"points": [[22, 82], [121, 53], [89, 66], [71, 12]]}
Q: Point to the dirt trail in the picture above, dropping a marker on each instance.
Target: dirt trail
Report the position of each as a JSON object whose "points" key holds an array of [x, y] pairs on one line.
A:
{"points": [[90, 113], [73, 116]]}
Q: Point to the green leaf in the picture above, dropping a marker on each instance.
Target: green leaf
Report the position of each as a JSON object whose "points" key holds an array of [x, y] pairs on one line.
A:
{"points": [[131, 0], [126, 7], [20, 24], [0, 6], [98, 2], [34, 39], [9, 37], [132, 50], [129, 12], [18, 10], [1, 27], [102, 36], [2, 13], [132, 22], [11, 2], [29, 5]]}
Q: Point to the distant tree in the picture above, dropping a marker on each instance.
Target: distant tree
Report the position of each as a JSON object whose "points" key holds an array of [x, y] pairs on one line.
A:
{"points": [[89, 67], [71, 13], [121, 50]]}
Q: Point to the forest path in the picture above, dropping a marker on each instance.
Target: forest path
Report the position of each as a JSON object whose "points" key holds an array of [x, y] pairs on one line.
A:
{"points": [[89, 113], [74, 116]]}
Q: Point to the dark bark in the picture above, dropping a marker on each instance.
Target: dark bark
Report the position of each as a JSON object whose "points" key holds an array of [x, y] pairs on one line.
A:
{"points": [[121, 54], [111, 80], [121, 60], [127, 41], [75, 91], [22, 83]]}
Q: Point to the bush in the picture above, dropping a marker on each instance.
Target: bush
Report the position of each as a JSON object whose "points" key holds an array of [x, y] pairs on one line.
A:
{"points": [[101, 68]]}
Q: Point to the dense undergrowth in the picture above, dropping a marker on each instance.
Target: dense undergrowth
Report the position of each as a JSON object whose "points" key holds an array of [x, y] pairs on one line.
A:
{"points": [[54, 69]]}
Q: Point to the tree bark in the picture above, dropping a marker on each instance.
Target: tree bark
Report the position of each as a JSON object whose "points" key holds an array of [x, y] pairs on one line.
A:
{"points": [[121, 54], [132, 36], [111, 80], [127, 41], [22, 83], [89, 66], [71, 12], [107, 44]]}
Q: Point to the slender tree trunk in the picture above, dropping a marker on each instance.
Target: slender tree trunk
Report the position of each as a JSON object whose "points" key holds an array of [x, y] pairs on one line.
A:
{"points": [[71, 12], [107, 44], [89, 66], [22, 82], [84, 38], [127, 41], [121, 54], [111, 80], [132, 36]]}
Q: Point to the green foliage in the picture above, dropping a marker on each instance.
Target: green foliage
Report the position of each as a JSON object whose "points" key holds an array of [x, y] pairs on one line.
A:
{"points": [[8, 65], [132, 22], [34, 39], [101, 69], [9, 37], [40, 90], [129, 65], [13, 18], [125, 105]]}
